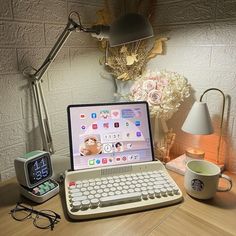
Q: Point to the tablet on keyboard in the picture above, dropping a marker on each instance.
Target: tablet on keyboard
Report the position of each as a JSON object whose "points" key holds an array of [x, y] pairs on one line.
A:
{"points": [[113, 170]]}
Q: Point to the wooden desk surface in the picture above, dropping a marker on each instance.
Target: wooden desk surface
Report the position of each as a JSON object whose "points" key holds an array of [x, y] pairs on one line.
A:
{"points": [[191, 217]]}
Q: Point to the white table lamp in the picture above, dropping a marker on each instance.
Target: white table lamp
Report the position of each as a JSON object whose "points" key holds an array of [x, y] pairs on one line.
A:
{"points": [[198, 122]]}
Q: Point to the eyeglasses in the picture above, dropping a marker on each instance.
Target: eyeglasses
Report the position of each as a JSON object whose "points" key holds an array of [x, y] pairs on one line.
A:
{"points": [[43, 219]]}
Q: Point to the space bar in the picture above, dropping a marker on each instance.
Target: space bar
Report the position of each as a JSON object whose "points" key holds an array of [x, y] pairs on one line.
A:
{"points": [[119, 199]]}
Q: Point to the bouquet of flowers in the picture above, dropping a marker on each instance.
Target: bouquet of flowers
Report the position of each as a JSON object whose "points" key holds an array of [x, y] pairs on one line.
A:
{"points": [[164, 91]]}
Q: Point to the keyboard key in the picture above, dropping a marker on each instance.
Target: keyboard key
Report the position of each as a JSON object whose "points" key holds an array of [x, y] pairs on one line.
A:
{"points": [[151, 194], [76, 194], [113, 189], [93, 192], [157, 192], [72, 187], [163, 192], [124, 191], [137, 190], [94, 202], [169, 191], [75, 190], [86, 193], [97, 195], [76, 199], [76, 205], [119, 199], [104, 194], [176, 190], [85, 204], [144, 195], [71, 184]]}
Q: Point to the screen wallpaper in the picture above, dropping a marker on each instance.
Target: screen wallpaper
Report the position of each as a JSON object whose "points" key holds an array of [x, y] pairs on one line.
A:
{"points": [[112, 134]]}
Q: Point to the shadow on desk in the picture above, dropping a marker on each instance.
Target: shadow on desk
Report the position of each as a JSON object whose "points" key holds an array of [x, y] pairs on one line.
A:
{"points": [[222, 200], [10, 194]]}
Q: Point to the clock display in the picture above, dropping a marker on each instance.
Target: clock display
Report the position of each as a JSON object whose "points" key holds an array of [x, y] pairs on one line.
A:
{"points": [[39, 169]]}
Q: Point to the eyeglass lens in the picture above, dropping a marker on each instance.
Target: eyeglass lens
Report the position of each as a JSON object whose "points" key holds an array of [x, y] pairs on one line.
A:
{"points": [[45, 219], [21, 212]]}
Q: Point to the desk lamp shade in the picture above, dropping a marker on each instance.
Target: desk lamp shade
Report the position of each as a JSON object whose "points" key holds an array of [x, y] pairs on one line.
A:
{"points": [[198, 120], [129, 28]]}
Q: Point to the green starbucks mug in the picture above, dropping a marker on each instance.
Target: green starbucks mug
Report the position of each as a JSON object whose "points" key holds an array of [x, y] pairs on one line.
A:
{"points": [[201, 179]]}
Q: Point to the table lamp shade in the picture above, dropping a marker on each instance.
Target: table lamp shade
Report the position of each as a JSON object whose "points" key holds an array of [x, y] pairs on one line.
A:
{"points": [[198, 120], [129, 28]]}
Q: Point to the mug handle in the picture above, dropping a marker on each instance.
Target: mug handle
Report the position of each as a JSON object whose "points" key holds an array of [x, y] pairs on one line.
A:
{"points": [[230, 183]]}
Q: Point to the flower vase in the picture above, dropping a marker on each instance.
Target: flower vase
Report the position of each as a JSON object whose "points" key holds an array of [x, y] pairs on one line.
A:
{"points": [[160, 134], [122, 89]]}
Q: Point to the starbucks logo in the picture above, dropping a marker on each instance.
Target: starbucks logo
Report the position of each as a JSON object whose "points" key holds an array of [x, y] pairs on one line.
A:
{"points": [[197, 185]]}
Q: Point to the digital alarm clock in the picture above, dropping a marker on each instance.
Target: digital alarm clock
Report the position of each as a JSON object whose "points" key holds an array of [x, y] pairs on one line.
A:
{"points": [[33, 172]]}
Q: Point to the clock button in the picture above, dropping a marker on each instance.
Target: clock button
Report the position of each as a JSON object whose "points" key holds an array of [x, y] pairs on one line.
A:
{"points": [[52, 185], [35, 190], [46, 188], [41, 191]]}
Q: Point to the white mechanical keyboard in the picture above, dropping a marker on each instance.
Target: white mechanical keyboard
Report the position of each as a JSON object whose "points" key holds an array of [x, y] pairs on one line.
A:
{"points": [[115, 190]]}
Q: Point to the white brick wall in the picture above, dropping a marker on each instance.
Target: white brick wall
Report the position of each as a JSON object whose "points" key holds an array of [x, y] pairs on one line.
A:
{"points": [[201, 45], [28, 30]]}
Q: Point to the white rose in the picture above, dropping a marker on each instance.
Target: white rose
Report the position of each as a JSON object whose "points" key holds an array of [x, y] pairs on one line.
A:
{"points": [[154, 97], [149, 85]]}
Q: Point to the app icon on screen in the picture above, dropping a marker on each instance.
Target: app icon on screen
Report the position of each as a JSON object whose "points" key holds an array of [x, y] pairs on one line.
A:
{"points": [[106, 125], [119, 147], [93, 115], [94, 126], [115, 114], [107, 148], [116, 125], [91, 162], [105, 114]]}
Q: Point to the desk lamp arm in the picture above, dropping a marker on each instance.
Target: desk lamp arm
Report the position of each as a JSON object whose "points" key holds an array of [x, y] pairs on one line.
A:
{"points": [[99, 31]]}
